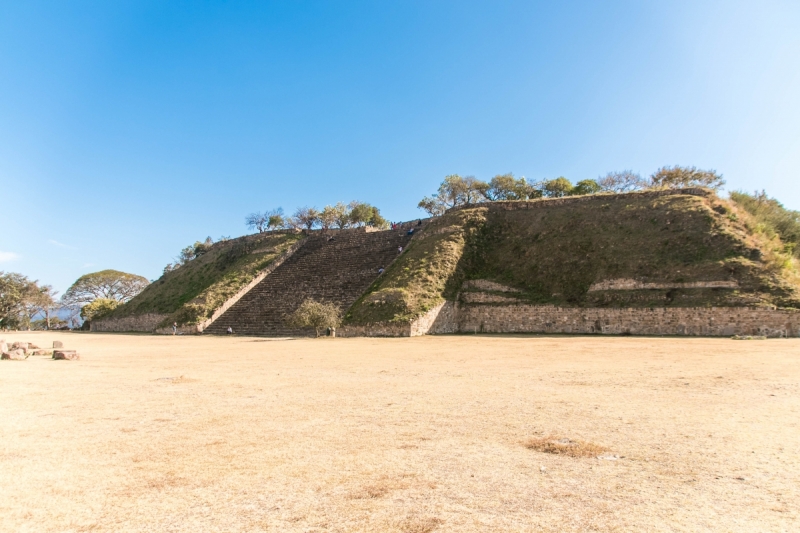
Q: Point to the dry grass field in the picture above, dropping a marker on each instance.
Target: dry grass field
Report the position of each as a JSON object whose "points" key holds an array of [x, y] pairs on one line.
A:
{"points": [[462, 433]]}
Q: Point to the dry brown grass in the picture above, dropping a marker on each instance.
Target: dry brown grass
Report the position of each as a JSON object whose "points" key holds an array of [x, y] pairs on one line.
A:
{"points": [[401, 435], [564, 446]]}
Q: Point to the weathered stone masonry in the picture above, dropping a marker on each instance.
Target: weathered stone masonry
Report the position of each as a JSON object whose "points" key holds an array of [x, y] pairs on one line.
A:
{"points": [[713, 321]]}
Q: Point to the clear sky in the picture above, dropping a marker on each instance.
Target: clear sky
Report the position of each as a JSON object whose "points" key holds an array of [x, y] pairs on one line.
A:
{"points": [[131, 129]]}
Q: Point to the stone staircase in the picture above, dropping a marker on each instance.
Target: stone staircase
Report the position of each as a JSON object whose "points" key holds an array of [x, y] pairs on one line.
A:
{"points": [[336, 266]]}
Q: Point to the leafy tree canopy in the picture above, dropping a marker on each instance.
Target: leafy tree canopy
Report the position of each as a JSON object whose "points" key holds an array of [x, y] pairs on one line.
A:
{"points": [[507, 187], [109, 284], [556, 188], [454, 191], [21, 299], [586, 187]]}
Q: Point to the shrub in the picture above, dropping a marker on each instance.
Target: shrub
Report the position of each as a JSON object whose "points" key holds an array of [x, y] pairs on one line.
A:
{"points": [[98, 308], [317, 315], [772, 217]]}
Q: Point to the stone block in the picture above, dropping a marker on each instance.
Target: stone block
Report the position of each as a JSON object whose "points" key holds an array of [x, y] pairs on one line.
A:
{"points": [[16, 354], [66, 355], [58, 344]]}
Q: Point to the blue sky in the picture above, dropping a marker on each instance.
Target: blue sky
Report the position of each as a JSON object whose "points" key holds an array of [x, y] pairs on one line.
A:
{"points": [[131, 129]]}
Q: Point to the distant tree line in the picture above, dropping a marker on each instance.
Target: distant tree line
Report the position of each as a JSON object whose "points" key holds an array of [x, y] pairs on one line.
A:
{"points": [[457, 191], [25, 304], [340, 216]]}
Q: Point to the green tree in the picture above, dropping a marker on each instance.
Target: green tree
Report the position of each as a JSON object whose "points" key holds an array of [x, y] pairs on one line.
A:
{"points": [[557, 188], [13, 287], [341, 218], [455, 191], [678, 177], [275, 219], [364, 214], [317, 315], [37, 299], [376, 220], [328, 217], [507, 187], [98, 308], [586, 187], [109, 284]]}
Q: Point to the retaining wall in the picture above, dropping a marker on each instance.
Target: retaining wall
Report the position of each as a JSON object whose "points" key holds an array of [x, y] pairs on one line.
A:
{"points": [[714, 321], [145, 323]]}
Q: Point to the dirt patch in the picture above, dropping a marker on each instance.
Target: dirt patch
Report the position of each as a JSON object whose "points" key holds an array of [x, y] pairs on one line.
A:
{"points": [[564, 446], [419, 524]]}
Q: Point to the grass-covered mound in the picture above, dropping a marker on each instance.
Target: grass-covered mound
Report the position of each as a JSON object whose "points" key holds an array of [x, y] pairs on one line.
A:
{"points": [[191, 293], [420, 277], [553, 251]]}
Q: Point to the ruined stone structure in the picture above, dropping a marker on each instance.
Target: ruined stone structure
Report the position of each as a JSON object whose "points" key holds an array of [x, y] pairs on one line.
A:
{"points": [[340, 266], [335, 267]]}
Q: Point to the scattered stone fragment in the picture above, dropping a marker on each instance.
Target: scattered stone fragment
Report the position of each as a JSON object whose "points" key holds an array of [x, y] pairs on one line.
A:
{"points": [[14, 355], [20, 346], [40, 352], [58, 344], [32, 346], [66, 355], [3, 346]]}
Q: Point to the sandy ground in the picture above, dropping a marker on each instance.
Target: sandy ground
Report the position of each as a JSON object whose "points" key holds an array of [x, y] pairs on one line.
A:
{"points": [[426, 434]]}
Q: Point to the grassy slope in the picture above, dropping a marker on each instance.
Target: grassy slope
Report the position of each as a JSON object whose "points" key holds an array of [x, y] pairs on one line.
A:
{"points": [[191, 293], [769, 218], [416, 281], [553, 253]]}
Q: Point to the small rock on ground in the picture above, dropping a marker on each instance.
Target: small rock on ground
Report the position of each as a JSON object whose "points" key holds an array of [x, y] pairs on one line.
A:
{"points": [[66, 355]]}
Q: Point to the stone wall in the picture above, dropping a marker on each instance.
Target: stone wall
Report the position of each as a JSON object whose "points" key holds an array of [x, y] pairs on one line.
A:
{"points": [[438, 321], [626, 284], [145, 323], [713, 321], [383, 329]]}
